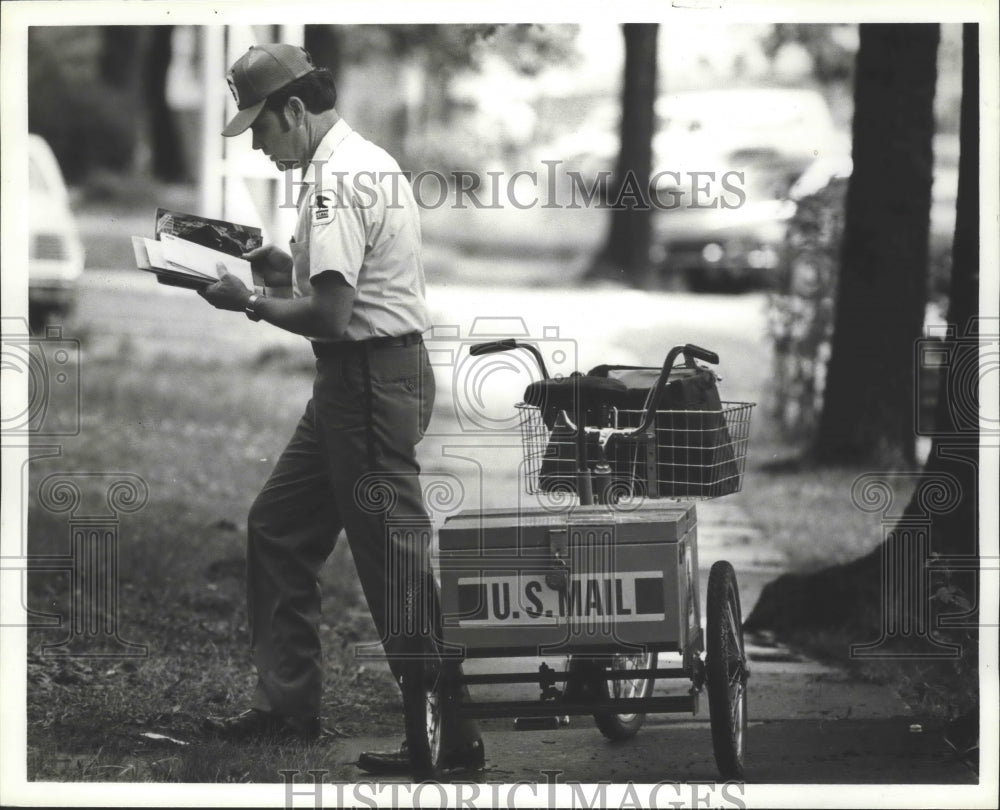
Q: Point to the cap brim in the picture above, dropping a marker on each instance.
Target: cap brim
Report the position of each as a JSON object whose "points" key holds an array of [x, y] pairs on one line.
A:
{"points": [[243, 119]]}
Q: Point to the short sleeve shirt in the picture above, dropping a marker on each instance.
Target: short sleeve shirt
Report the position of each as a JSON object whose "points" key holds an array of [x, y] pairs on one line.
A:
{"points": [[357, 216]]}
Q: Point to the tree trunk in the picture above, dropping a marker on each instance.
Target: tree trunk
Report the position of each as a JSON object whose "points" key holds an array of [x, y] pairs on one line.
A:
{"points": [[325, 44], [954, 534], [873, 595], [955, 446], [120, 46], [625, 256], [167, 156], [882, 290], [119, 64]]}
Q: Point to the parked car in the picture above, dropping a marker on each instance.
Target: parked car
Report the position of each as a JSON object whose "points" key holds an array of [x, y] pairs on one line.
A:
{"points": [[718, 248], [55, 251], [727, 161], [723, 163]]}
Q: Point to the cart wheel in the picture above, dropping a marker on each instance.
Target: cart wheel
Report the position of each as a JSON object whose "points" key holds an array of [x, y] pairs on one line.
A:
{"points": [[623, 726], [423, 696], [423, 683], [726, 670]]}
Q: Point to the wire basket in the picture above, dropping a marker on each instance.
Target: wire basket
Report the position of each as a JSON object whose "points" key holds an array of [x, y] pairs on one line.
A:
{"points": [[684, 454]]}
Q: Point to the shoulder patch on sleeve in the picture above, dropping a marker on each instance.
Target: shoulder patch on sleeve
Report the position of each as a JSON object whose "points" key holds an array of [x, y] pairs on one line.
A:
{"points": [[324, 209]]}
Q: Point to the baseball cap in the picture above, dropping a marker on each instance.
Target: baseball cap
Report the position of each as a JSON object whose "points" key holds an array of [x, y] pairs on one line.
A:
{"points": [[259, 72]]}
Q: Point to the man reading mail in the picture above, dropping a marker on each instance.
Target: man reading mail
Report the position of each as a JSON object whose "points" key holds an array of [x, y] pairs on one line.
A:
{"points": [[353, 284]]}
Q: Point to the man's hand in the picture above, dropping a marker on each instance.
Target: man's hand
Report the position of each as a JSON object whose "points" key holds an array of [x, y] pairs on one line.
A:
{"points": [[227, 293], [272, 266], [325, 313]]}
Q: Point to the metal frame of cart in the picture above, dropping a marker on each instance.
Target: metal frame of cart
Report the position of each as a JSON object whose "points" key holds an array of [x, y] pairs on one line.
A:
{"points": [[608, 578]]}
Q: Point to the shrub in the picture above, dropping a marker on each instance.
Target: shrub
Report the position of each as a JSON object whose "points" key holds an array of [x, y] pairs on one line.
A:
{"points": [[88, 123], [801, 309]]}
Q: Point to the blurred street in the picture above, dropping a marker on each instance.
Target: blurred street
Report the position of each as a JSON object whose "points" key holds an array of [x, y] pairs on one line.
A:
{"points": [[602, 322]]}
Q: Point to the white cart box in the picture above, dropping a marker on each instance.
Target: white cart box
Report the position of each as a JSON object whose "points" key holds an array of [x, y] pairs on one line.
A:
{"points": [[593, 579]]}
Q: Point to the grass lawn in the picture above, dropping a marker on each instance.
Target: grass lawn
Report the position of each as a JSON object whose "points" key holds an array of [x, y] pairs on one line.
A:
{"points": [[186, 430]]}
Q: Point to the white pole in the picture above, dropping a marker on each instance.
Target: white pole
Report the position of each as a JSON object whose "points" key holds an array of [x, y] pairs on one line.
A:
{"points": [[238, 184], [210, 180]]}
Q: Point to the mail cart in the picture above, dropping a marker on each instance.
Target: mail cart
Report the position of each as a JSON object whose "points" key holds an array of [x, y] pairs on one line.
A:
{"points": [[600, 571]]}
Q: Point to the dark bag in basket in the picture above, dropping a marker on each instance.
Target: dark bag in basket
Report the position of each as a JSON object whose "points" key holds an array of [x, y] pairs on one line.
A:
{"points": [[551, 397], [694, 451], [694, 454]]}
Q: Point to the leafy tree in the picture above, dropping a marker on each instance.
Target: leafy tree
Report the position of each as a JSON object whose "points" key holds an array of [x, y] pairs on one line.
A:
{"points": [[448, 48], [90, 86], [934, 593], [88, 121], [829, 47], [442, 52]]}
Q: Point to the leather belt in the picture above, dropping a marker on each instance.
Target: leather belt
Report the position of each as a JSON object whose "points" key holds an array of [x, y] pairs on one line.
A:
{"points": [[341, 347]]}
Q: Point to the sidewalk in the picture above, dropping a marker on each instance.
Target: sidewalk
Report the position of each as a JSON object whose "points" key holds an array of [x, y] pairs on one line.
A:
{"points": [[809, 723]]}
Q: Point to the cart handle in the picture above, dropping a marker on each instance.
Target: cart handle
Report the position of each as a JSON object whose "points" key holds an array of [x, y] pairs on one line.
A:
{"points": [[505, 345], [691, 353]]}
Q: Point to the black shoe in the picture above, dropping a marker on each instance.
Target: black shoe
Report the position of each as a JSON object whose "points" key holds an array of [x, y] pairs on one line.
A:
{"points": [[255, 724], [471, 757], [386, 762]]}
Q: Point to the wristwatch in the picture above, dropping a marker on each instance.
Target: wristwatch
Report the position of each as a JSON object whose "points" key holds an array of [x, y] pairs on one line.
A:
{"points": [[251, 307]]}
